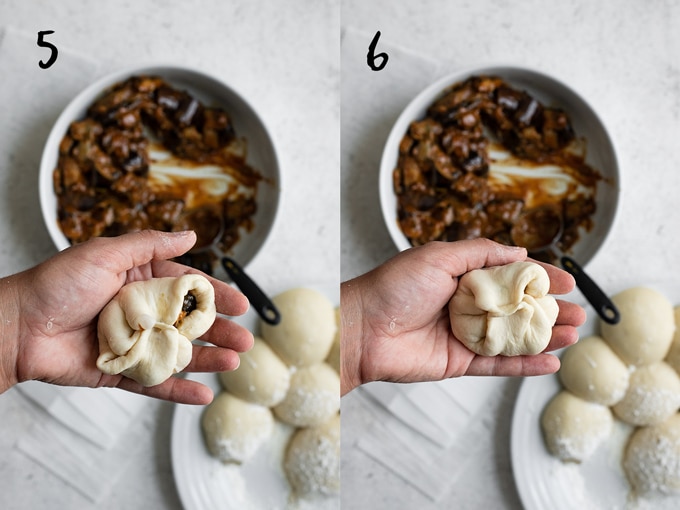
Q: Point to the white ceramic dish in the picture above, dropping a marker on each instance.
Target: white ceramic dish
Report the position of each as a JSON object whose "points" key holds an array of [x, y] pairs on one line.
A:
{"points": [[601, 154], [207, 89], [542, 480], [205, 483]]}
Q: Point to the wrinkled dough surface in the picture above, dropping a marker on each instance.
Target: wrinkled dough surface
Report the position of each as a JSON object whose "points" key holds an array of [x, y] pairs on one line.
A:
{"points": [[504, 310], [140, 331]]}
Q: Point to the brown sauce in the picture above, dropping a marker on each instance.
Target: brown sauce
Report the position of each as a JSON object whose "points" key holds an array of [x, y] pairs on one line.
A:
{"points": [[488, 161], [138, 161]]}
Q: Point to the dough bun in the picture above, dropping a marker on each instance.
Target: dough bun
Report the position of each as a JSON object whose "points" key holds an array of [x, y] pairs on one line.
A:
{"points": [[261, 378], [312, 459], [313, 396], [305, 333], [234, 429], [652, 458], [504, 310], [591, 370], [645, 331], [673, 356], [573, 428], [653, 395]]}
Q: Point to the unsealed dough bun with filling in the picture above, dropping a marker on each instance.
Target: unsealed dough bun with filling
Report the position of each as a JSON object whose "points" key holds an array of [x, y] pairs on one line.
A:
{"points": [[234, 429], [261, 377], [653, 395], [652, 458], [573, 428], [673, 356], [504, 310], [591, 370], [145, 331], [313, 396], [645, 331], [307, 327], [312, 460]]}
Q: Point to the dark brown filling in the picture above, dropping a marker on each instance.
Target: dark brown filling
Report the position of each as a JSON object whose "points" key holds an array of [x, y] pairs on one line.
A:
{"points": [[443, 181], [188, 305]]}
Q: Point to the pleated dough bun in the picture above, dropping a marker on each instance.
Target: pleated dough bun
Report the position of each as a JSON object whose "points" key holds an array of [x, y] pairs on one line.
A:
{"points": [[261, 378], [673, 356], [312, 459], [504, 310], [573, 428], [591, 370], [234, 429], [645, 331], [653, 395], [313, 396], [652, 458], [306, 330]]}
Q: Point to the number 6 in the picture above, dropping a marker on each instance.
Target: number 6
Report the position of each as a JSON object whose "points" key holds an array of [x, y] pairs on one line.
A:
{"points": [[44, 44]]}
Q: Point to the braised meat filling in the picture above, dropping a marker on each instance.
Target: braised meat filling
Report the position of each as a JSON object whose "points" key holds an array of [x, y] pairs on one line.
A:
{"points": [[148, 155], [488, 160], [188, 306]]}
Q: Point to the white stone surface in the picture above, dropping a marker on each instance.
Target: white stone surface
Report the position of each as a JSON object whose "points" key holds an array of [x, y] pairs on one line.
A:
{"points": [[283, 58]]}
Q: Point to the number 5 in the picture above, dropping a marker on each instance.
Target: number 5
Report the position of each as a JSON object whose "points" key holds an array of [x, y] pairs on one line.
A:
{"points": [[44, 44]]}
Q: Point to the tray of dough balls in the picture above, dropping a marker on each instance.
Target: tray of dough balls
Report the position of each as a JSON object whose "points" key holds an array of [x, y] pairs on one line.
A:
{"points": [[604, 432], [271, 437]]}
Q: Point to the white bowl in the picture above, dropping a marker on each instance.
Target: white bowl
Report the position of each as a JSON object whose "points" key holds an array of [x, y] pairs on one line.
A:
{"points": [[210, 91], [600, 149]]}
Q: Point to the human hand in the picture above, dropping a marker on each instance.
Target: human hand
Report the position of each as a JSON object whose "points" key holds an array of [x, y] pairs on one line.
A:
{"points": [[50, 315], [395, 321]]}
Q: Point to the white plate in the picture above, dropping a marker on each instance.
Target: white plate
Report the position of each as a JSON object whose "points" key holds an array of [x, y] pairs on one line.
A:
{"points": [[542, 480], [205, 483]]}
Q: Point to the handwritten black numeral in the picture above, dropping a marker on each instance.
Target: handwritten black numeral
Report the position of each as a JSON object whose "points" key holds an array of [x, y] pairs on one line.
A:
{"points": [[371, 57], [44, 44]]}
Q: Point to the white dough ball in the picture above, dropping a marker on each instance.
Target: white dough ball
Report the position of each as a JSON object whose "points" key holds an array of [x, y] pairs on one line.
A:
{"points": [[313, 396], [652, 458], [261, 378], [573, 428], [333, 358], [234, 429], [653, 395], [305, 333], [591, 370], [312, 460], [645, 331], [673, 356]]}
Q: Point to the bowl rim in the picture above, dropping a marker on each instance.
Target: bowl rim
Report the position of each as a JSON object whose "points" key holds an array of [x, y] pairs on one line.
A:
{"points": [[89, 93], [429, 93]]}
